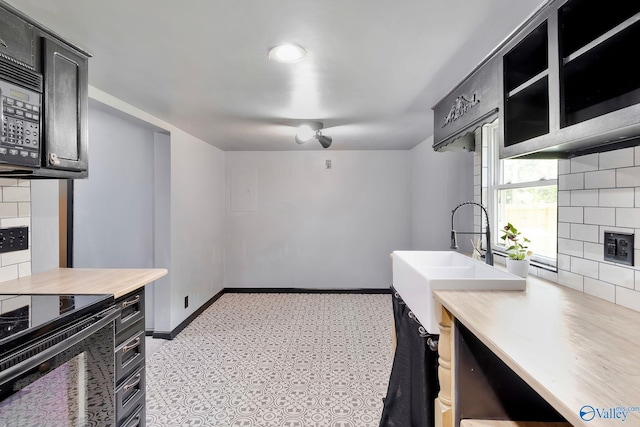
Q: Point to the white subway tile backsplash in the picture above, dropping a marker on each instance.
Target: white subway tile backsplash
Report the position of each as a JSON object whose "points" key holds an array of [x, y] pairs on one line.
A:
{"points": [[24, 209], [617, 197], [564, 262], [15, 257], [628, 298], [600, 179], [584, 163], [24, 269], [586, 233], [628, 217], [584, 267], [8, 210], [571, 280], [15, 211], [594, 251], [548, 275], [15, 222], [571, 214], [8, 182], [617, 275], [584, 197], [628, 177], [9, 272], [601, 216], [16, 194], [598, 193], [571, 247], [571, 182], [599, 289], [564, 198], [616, 159], [564, 230]]}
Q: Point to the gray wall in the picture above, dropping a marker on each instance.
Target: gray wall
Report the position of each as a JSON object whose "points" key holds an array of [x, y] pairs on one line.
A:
{"points": [[291, 222], [439, 182], [113, 209]]}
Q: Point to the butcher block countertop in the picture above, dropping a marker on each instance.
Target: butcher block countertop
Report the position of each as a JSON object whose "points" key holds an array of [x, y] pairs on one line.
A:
{"points": [[576, 351], [115, 281]]}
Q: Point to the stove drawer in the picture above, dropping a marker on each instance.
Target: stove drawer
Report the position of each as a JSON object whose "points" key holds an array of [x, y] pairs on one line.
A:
{"points": [[129, 356], [130, 394], [132, 306], [137, 419]]}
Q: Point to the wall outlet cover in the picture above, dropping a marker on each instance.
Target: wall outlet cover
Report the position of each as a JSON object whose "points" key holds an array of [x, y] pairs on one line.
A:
{"points": [[619, 247], [14, 239]]}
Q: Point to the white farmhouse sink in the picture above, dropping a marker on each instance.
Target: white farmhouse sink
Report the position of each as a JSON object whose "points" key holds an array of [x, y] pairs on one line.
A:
{"points": [[417, 273]]}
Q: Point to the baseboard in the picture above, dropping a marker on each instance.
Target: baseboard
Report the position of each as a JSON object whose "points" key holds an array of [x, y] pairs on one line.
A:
{"points": [[306, 291], [174, 333]]}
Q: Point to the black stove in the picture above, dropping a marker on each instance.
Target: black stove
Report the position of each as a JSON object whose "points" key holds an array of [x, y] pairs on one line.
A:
{"points": [[33, 316]]}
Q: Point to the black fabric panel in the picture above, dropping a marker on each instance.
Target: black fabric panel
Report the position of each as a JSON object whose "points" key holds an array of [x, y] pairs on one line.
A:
{"points": [[413, 384]]}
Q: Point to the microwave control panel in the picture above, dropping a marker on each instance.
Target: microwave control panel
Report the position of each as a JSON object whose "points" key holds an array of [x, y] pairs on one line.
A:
{"points": [[21, 113]]}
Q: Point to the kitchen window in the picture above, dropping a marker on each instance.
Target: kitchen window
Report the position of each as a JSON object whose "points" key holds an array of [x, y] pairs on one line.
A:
{"points": [[523, 192]]}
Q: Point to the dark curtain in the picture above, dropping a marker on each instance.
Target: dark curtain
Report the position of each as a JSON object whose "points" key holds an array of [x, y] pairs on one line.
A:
{"points": [[413, 384]]}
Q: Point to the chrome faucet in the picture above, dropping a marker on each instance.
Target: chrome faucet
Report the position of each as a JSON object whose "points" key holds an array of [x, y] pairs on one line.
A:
{"points": [[454, 243]]}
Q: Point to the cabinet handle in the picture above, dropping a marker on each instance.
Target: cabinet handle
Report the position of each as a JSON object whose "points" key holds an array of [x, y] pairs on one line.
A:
{"points": [[133, 384], [136, 343], [131, 302]]}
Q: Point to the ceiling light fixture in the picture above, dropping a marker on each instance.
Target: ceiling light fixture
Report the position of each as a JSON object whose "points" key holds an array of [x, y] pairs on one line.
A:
{"points": [[310, 130], [288, 53]]}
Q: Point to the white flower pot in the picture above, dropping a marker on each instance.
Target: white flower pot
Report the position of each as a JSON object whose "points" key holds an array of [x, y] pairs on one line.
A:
{"points": [[519, 267]]}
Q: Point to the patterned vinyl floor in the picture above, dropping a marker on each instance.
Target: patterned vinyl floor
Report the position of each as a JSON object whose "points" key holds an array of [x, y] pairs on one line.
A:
{"points": [[281, 360]]}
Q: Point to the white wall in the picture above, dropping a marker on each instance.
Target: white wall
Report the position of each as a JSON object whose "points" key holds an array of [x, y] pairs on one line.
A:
{"points": [[197, 225], [439, 182], [293, 223]]}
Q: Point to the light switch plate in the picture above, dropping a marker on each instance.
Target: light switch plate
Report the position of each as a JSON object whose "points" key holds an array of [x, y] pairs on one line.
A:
{"points": [[618, 247]]}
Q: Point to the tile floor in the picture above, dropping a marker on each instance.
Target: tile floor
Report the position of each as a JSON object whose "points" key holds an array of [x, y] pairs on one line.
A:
{"points": [[282, 360]]}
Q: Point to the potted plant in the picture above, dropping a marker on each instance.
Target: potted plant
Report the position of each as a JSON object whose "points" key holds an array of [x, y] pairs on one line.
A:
{"points": [[518, 259]]}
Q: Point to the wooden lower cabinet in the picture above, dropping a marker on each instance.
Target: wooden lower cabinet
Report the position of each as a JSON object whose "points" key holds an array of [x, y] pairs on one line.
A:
{"points": [[444, 407], [478, 389], [130, 361]]}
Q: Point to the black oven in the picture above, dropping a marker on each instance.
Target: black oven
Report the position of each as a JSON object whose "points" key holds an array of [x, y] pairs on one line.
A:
{"points": [[58, 372]]}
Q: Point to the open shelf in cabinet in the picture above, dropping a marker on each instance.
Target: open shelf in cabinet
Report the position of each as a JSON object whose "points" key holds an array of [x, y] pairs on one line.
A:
{"points": [[596, 46], [526, 87]]}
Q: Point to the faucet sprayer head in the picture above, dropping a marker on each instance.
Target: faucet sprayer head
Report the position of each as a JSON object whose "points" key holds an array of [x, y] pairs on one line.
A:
{"points": [[454, 240]]}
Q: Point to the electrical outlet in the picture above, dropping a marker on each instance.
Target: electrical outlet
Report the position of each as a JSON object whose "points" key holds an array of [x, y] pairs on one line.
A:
{"points": [[186, 301], [618, 247], [14, 239]]}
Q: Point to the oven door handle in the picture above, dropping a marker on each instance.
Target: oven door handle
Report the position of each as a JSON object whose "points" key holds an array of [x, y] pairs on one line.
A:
{"points": [[105, 317]]}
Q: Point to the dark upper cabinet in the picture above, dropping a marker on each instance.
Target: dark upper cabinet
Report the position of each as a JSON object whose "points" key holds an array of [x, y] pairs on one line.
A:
{"points": [[65, 108], [55, 73], [16, 39], [471, 104], [567, 83]]}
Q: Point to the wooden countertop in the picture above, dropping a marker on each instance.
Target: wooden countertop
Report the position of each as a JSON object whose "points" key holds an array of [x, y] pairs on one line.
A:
{"points": [[116, 281], [571, 348]]}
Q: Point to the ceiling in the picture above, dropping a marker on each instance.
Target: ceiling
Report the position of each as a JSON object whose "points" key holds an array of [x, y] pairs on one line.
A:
{"points": [[375, 67]]}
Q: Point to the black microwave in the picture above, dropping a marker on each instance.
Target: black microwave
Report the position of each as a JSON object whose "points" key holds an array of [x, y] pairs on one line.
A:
{"points": [[21, 116]]}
